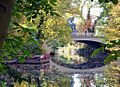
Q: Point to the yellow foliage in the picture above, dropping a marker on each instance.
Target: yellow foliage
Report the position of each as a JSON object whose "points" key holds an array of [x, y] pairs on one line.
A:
{"points": [[112, 34], [113, 29], [23, 84], [112, 74]]}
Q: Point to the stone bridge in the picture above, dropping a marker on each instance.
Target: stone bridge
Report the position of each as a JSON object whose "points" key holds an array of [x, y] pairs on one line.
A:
{"points": [[76, 36], [37, 64], [88, 38]]}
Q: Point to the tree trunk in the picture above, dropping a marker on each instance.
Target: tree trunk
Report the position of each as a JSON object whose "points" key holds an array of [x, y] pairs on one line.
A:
{"points": [[6, 7]]}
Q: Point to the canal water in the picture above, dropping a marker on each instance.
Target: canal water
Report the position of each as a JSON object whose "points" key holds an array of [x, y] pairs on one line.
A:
{"points": [[88, 80]]}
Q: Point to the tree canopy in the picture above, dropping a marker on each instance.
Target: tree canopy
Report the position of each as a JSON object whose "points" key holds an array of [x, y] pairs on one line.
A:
{"points": [[112, 33], [34, 23]]}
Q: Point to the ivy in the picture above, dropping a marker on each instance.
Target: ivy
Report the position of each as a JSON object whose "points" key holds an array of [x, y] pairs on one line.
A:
{"points": [[101, 49]]}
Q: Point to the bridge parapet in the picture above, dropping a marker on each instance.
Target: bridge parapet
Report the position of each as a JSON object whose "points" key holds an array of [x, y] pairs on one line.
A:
{"points": [[77, 36]]}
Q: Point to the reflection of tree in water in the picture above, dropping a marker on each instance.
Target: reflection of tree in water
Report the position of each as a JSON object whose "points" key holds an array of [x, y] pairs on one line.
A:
{"points": [[86, 52], [88, 80], [69, 53]]}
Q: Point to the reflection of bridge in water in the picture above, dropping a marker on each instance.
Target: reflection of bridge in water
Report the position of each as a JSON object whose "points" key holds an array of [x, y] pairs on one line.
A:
{"points": [[31, 67], [47, 64], [79, 71]]}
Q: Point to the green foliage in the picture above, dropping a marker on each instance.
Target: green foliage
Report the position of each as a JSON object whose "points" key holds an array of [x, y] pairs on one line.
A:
{"points": [[55, 78], [27, 20], [3, 68], [21, 59], [110, 58], [3, 84], [114, 1], [112, 33], [32, 8], [30, 20], [115, 52], [57, 32], [15, 74], [112, 74], [101, 49], [113, 43], [107, 1]]}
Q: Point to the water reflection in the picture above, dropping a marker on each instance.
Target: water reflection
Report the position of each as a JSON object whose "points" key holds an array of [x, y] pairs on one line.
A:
{"points": [[88, 80], [76, 81], [70, 54], [77, 55]]}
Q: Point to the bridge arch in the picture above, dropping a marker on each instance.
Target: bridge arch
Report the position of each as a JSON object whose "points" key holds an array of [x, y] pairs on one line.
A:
{"points": [[92, 43]]}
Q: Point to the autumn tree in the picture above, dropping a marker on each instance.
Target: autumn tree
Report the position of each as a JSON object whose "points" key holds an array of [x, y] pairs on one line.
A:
{"points": [[25, 34], [112, 33], [24, 28], [112, 74], [112, 71]]}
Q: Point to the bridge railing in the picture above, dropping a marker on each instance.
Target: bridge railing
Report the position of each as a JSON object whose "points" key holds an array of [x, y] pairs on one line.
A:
{"points": [[78, 34]]}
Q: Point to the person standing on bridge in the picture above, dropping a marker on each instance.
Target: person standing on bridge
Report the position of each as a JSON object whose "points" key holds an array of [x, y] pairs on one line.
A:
{"points": [[71, 24]]}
